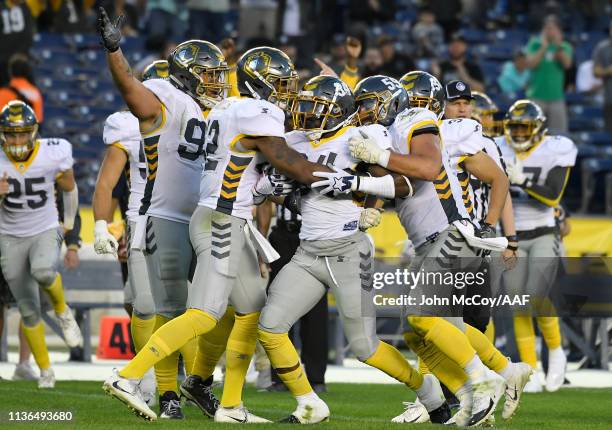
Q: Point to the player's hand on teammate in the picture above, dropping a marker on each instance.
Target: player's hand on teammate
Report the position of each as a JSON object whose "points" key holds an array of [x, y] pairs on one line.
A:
{"points": [[110, 34], [104, 242], [273, 183], [4, 185], [364, 148], [370, 217], [337, 182]]}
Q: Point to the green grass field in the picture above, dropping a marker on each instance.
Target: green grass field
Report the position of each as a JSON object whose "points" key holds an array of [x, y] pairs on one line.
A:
{"points": [[355, 407]]}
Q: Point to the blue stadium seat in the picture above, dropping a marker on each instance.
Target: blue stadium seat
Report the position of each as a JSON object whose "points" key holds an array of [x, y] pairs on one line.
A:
{"points": [[591, 167], [587, 111], [130, 44], [475, 35], [52, 111], [516, 38], [600, 138], [48, 40], [578, 124]]}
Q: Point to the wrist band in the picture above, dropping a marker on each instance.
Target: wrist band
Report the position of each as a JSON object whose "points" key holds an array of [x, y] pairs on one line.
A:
{"points": [[512, 247], [512, 238]]}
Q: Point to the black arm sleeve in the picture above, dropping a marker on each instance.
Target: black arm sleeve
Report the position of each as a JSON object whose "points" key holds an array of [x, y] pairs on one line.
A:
{"points": [[73, 237], [554, 185]]}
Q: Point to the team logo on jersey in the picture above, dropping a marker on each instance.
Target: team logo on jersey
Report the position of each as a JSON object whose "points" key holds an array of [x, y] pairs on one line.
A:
{"points": [[349, 226], [187, 55], [460, 86]]}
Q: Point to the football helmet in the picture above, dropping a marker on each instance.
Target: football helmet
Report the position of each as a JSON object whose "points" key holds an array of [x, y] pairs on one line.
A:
{"points": [[268, 74], [483, 109], [524, 125], [324, 104], [379, 99], [424, 91], [198, 68], [156, 70], [18, 128]]}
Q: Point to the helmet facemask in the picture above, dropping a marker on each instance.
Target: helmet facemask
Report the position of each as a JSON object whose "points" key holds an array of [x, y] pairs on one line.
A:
{"points": [[428, 103], [523, 134], [212, 84], [20, 151], [373, 108], [283, 89], [316, 115]]}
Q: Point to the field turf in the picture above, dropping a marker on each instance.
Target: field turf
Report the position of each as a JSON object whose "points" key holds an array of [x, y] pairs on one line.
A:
{"points": [[353, 406]]}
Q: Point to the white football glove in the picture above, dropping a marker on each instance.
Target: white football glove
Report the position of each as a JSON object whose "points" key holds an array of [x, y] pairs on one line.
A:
{"points": [[515, 173], [272, 183], [364, 148], [338, 181], [104, 242], [370, 217]]}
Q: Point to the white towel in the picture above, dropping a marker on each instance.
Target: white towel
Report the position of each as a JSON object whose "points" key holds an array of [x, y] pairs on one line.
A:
{"points": [[265, 250], [466, 229], [138, 239]]}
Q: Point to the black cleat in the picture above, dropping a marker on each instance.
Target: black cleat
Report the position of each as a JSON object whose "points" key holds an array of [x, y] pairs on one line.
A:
{"points": [[440, 415], [200, 393], [170, 406], [290, 420]]}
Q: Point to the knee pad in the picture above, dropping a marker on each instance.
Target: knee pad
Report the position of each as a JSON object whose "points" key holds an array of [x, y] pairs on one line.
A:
{"points": [[143, 316], [44, 276], [363, 348], [30, 313]]}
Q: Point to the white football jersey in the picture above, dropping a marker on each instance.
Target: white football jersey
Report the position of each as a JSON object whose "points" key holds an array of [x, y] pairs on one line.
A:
{"points": [[29, 207], [230, 171], [325, 217], [480, 189], [436, 204], [552, 151], [173, 154], [121, 130]]}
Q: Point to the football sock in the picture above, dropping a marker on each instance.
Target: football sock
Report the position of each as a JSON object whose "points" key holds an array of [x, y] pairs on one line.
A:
{"points": [[166, 369], [451, 341], [447, 371], [141, 330], [56, 295], [285, 360], [240, 349], [549, 327], [490, 331], [189, 353], [36, 340], [489, 355], [525, 339], [167, 339], [393, 363], [211, 346]]}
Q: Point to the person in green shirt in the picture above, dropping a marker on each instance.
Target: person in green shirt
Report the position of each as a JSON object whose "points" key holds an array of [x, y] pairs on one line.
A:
{"points": [[548, 56]]}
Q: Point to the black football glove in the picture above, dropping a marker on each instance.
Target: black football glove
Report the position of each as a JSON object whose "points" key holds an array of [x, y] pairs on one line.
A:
{"points": [[110, 34]]}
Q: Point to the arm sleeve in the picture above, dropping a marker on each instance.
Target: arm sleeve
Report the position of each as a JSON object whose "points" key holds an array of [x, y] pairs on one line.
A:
{"points": [[551, 191], [72, 239]]}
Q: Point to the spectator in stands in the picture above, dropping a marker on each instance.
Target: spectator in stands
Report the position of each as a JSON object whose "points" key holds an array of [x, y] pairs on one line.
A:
{"points": [[337, 51], [448, 14], [372, 62], [458, 67], [427, 35], [394, 63], [21, 85], [548, 57], [297, 20], [514, 75], [16, 33], [207, 19], [167, 18], [602, 59], [586, 81], [370, 12]]}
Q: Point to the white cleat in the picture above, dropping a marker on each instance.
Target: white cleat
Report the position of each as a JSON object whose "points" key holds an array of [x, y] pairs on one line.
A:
{"points": [[47, 378], [311, 412], [70, 329], [128, 392], [238, 415], [535, 384], [514, 388], [25, 372], [148, 388], [486, 395], [464, 413], [557, 362], [414, 413]]}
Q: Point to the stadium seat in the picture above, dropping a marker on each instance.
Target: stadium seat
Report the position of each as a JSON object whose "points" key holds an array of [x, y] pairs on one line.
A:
{"points": [[475, 35], [598, 138], [590, 167]]}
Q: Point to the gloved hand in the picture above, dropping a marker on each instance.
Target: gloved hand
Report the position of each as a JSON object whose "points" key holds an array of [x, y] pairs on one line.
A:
{"points": [[370, 217], [110, 34], [338, 182], [273, 183], [104, 242], [515, 173], [365, 148]]}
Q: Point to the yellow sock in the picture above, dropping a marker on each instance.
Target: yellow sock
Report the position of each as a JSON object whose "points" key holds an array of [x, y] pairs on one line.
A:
{"points": [[285, 360], [189, 352], [36, 341], [166, 369], [490, 331], [56, 295], [549, 327], [525, 339], [446, 370], [211, 346], [141, 330], [489, 355], [167, 339], [240, 349], [423, 369], [451, 341], [393, 363]]}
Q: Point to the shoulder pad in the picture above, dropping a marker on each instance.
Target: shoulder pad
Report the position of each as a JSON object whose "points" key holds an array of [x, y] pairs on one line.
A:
{"points": [[563, 149], [259, 118], [120, 126], [462, 136], [60, 151], [412, 116], [166, 93]]}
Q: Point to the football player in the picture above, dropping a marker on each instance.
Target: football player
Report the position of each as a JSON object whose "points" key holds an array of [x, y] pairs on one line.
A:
{"points": [[538, 168], [483, 111], [172, 126], [30, 236], [432, 217]]}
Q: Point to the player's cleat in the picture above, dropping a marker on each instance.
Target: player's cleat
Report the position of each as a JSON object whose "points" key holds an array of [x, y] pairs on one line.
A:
{"points": [[128, 392], [310, 412], [464, 413], [535, 383], [148, 388], [486, 395], [557, 362], [414, 413], [515, 385], [25, 372], [440, 415], [170, 406], [200, 393], [70, 329], [47, 378], [237, 415]]}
